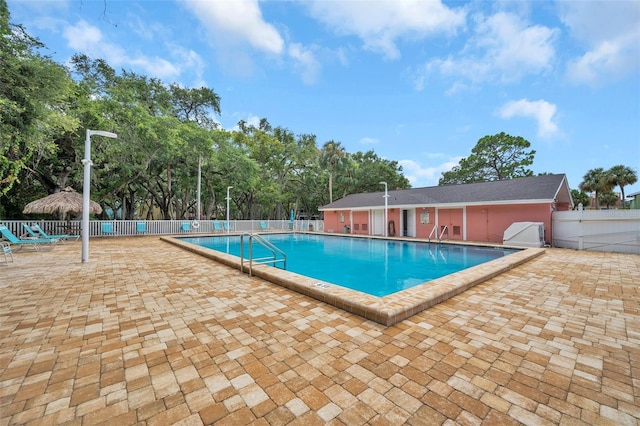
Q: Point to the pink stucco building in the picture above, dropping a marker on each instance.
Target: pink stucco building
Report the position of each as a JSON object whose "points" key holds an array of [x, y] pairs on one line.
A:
{"points": [[477, 212]]}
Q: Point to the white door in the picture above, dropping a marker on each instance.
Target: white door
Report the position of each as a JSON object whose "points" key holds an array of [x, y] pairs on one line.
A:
{"points": [[378, 222], [411, 223]]}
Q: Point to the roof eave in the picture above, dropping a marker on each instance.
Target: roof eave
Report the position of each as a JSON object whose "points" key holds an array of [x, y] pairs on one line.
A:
{"points": [[442, 205]]}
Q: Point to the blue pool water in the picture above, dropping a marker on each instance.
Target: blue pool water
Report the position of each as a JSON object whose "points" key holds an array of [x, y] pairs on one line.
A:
{"points": [[374, 266]]}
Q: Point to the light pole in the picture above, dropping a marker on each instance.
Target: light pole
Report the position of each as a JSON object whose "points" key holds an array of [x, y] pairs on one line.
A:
{"points": [[198, 189], [86, 188], [228, 198], [386, 208]]}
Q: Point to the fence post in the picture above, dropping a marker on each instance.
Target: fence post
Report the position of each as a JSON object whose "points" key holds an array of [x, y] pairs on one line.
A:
{"points": [[580, 232]]}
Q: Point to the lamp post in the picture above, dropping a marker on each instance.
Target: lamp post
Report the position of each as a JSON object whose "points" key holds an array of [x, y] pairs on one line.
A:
{"points": [[198, 214], [228, 198], [86, 188], [386, 208]]}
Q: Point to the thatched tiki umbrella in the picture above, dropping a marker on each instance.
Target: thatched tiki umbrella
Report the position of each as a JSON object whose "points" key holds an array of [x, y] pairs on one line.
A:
{"points": [[62, 203]]}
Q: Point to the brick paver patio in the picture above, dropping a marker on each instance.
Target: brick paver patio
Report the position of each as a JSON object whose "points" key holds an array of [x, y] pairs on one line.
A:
{"points": [[149, 334]]}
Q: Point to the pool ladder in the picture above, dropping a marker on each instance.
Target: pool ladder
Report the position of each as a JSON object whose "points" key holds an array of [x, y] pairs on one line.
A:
{"points": [[435, 231], [273, 259]]}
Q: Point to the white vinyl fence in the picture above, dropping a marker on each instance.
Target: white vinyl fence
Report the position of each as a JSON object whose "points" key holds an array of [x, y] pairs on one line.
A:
{"points": [[128, 228], [598, 230]]}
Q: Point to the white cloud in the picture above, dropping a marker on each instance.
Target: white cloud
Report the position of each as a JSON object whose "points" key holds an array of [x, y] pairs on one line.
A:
{"points": [[541, 111], [82, 36], [238, 21], [88, 39], [511, 45], [368, 141], [611, 34], [379, 24], [249, 119], [419, 175], [305, 62], [503, 47], [190, 60]]}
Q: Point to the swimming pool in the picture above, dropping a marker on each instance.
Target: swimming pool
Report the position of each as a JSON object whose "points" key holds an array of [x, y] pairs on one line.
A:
{"points": [[378, 267], [386, 310]]}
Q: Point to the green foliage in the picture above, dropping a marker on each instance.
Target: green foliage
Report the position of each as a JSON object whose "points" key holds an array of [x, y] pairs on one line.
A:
{"points": [[370, 170], [35, 111], [621, 176], [332, 157], [164, 132], [608, 199], [595, 180], [579, 197], [496, 157], [601, 181]]}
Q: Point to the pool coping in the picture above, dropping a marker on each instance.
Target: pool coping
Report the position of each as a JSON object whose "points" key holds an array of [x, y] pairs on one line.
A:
{"points": [[387, 310]]}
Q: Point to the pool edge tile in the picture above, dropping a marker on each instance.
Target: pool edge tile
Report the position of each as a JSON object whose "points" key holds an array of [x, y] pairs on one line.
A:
{"points": [[388, 310]]}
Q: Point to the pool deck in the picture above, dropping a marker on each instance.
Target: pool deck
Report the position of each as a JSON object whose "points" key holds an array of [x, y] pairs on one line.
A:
{"points": [[150, 334], [388, 310]]}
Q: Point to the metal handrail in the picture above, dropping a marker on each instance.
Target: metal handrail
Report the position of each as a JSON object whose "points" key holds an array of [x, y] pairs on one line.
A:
{"points": [[261, 260], [446, 228], [433, 231]]}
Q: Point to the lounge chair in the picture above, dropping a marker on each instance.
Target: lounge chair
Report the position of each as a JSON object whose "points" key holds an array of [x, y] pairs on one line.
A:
{"points": [[107, 228], [141, 227], [186, 226], [6, 250], [36, 243], [264, 226], [227, 226], [216, 226], [42, 234]]}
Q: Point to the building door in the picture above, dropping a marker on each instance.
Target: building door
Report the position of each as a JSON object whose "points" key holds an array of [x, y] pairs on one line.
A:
{"points": [[452, 219], [405, 223], [378, 222]]}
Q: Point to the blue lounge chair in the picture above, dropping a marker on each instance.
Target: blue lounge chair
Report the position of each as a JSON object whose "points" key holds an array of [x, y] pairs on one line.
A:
{"points": [[186, 226], [42, 234], [36, 243], [227, 226], [263, 225], [216, 226], [107, 228], [141, 227]]}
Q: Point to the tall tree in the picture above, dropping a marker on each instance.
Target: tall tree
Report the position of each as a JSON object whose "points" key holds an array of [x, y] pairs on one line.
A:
{"points": [[198, 105], [621, 175], [496, 157], [608, 198], [331, 158], [372, 169], [595, 180], [34, 95]]}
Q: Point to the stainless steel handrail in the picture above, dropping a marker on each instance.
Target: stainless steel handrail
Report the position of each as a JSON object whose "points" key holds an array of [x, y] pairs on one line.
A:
{"points": [[445, 229], [262, 260]]}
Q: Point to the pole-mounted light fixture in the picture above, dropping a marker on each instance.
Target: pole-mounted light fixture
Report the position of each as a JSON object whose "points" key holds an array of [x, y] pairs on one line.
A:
{"points": [[228, 198], [386, 208], [86, 188]]}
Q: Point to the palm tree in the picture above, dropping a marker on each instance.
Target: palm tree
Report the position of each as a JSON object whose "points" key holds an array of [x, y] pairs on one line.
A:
{"points": [[622, 175], [331, 157], [595, 180], [608, 198]]}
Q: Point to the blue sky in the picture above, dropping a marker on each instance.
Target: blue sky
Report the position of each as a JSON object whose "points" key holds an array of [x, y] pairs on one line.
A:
{"points": [[419, 82]]}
